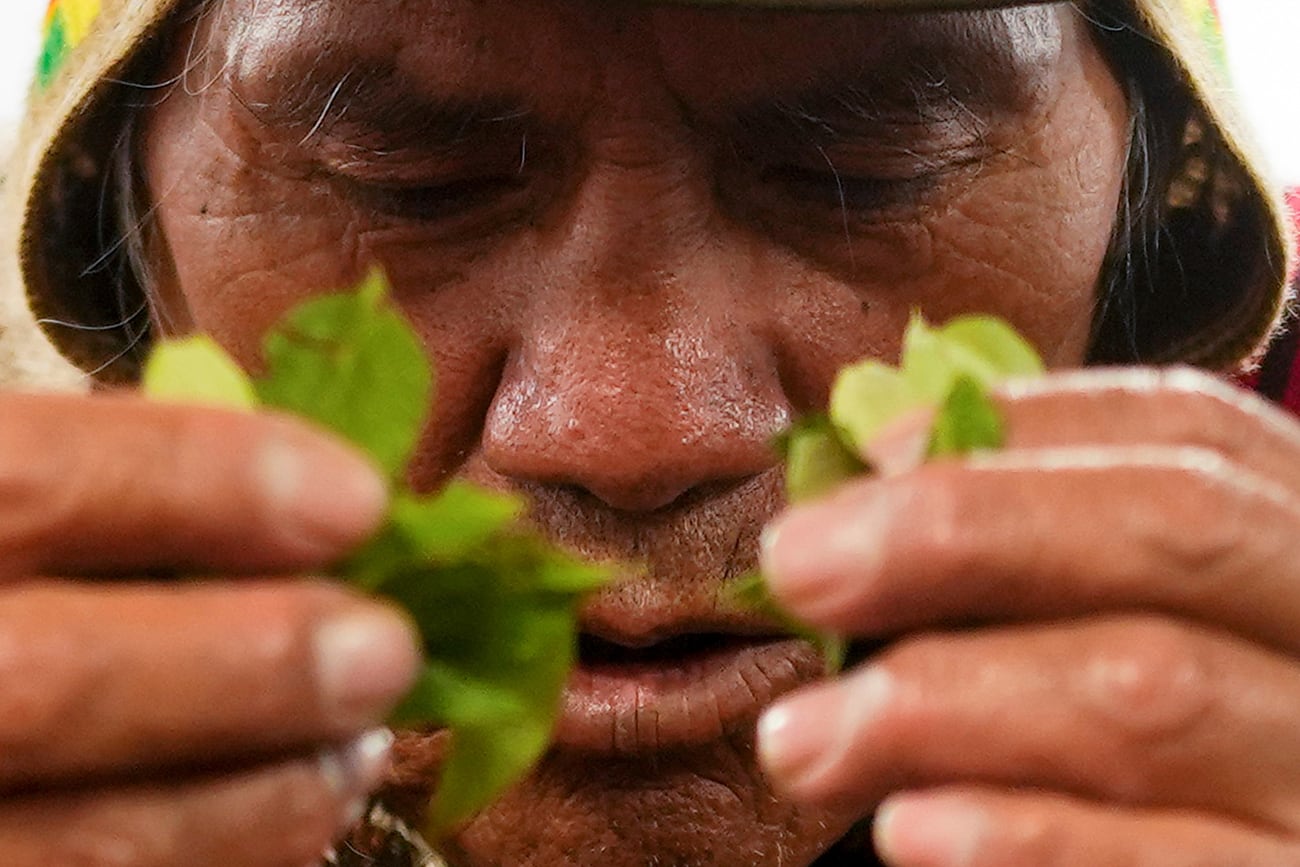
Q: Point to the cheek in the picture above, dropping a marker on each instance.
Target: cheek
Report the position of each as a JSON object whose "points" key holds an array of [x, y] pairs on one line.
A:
{"points": [[245, 243], [250, 238], [1009, 246], [1032, 243], [1027, 238], [1030, 248]]}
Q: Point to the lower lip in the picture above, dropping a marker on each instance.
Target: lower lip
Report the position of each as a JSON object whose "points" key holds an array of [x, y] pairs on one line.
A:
{"points": [[632, 708]]}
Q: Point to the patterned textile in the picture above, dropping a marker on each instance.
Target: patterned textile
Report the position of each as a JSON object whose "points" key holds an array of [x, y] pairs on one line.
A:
{"points": [[66, 24], [1204, 15]]}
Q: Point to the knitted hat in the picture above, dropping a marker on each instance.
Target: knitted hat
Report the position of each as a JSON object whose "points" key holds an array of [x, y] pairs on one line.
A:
{"points": [[1210, 295]]}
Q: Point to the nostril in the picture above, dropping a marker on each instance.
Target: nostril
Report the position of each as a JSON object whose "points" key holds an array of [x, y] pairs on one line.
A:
{"points": [[638, 495], [619, 500], [637, 486], [628, 472]]}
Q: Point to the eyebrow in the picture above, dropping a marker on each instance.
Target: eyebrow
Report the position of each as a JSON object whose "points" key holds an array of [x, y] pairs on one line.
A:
{"points": [[846, 108], [370, 95], [932, 79]]}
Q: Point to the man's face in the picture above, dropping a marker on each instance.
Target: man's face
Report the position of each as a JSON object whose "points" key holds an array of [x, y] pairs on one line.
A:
{"points": [[638, 242]]}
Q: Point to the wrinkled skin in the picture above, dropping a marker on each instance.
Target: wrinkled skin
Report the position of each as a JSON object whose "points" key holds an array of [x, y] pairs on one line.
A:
{"points": [[633, 270]]}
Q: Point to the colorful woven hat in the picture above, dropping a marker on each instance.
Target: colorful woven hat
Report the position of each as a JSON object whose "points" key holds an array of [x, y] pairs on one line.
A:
{"points": [[66, 24], [1214, 296]]}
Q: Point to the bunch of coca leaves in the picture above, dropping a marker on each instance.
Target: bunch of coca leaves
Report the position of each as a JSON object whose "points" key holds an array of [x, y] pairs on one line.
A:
{"points": [[495, 603], [946, 370]]}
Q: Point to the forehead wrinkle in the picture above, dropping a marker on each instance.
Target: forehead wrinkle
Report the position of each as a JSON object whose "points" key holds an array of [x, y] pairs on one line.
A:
{"points": [[894, 68], [309, 90], [292, 55]]}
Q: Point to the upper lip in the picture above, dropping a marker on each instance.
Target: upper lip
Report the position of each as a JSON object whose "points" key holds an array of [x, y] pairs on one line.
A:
{"points": [[653, 608], [674, 562]]}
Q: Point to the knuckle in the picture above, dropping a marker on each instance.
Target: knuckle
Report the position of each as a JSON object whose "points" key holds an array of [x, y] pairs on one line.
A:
{"points": [[52, 484], [1148, 680], [178, 449], [192, 439], [906, 687], [272, 666], [1188, 533]]}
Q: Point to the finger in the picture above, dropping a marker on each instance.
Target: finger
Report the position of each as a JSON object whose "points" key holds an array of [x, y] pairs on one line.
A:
{"points": [[268, 817], [1180, 407], [1143, 406], [89, 485], [975, 827], [1133, 710], [101, 682], [1040, 534]]}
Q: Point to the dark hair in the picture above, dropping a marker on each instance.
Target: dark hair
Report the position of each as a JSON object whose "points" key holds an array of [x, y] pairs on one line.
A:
{"points": [[1138, 255], [1132, 259], [1183, 231]]}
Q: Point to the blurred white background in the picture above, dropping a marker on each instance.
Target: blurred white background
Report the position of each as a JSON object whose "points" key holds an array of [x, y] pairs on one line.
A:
{"points": [[1263, 47]]}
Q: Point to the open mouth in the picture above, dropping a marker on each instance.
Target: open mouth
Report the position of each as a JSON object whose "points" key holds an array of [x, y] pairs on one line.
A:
{"points": [[596, 654]]}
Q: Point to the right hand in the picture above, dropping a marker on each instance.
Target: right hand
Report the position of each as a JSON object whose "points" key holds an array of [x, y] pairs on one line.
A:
{"points": [[218, 722]]}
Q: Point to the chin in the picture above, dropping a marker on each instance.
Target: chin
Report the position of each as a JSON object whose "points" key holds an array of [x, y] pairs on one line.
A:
{"points": [[705, 805], [701, 804]]}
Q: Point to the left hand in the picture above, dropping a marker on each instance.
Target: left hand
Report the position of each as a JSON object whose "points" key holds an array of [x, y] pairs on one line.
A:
{"points": [[1100, 652]]}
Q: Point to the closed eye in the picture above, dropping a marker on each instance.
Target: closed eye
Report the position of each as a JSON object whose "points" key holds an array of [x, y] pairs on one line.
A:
{"points": [[840, 190], [436, 201]]}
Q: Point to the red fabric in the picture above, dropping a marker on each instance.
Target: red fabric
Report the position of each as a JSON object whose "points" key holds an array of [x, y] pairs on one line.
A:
{"points": [[1293, 205], [1291, 396], [1278, 378]]}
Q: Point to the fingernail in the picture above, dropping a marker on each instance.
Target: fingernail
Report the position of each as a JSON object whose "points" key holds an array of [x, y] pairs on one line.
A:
{"points": [[804, 741], [928, 830], [816, 557], [325, 496], [366, 659], [356, 770]]}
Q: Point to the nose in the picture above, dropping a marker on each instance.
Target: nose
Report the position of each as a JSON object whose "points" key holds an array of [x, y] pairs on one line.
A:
{"points": [[641, 373], [635, 416]]}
